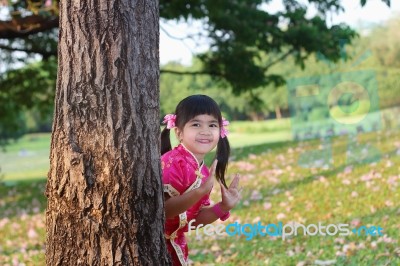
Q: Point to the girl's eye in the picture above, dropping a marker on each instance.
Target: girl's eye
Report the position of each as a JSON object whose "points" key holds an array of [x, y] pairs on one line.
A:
{"points": [[214, 125], [195, 125]]}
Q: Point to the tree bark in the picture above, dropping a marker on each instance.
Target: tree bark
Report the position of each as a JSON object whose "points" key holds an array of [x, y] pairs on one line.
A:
{"points": [[105, 204]]}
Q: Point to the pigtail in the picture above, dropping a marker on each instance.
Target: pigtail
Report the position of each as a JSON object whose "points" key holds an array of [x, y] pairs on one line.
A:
{"points": [[165, 141], [222, 155]]}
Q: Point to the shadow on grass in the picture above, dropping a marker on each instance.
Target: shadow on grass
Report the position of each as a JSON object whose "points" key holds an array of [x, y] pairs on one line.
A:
{"points": [[244, 152]]}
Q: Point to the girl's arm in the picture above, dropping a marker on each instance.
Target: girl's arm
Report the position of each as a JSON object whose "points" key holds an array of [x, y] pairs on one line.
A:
{"points": [[176, 205], [205, 216]]}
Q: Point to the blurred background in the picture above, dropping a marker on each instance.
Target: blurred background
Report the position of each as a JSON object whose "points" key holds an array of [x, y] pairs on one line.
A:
{"points": [[312, 91]]}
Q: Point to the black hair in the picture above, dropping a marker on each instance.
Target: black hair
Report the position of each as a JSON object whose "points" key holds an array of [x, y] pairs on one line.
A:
{"points": [[187, 109]]}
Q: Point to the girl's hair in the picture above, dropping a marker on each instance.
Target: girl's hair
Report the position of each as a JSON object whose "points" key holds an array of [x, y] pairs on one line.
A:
{"points": [[187, 109]]}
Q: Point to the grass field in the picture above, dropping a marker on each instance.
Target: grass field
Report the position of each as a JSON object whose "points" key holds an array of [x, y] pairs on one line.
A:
{"points": [[28, 158], [276, 189]]}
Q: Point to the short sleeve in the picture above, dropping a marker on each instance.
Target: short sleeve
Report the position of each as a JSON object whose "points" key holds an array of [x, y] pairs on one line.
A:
{"points": [[173, 177]]}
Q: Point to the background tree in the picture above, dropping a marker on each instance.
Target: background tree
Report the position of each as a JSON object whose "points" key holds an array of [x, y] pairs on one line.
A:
{"points": [[236, 29], [241, 34], [21, 95], [105, 204]]}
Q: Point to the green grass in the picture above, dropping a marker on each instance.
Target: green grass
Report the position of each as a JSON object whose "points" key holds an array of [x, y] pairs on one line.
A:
{"points": [[26, 159], [276, 188], [262, 127], [22, 223]]}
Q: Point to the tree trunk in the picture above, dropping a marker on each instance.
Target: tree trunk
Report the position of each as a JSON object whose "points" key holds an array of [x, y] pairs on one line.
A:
{"points": [[278, 112], [105, 204]]}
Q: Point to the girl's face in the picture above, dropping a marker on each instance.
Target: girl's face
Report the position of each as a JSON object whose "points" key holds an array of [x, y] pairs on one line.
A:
{"points": [[200, 135]]}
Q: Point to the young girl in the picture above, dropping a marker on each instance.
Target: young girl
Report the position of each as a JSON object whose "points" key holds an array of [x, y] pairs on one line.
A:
{"points": [[199, 127]]}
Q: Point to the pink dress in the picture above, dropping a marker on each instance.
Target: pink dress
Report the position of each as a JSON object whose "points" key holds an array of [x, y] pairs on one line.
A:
{"points": [[181, 173]]}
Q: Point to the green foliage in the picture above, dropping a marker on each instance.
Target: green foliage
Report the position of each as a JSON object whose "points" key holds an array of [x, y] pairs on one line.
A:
{"points": [[12, 122], [239, 31], [174, 88], [31, 87]]}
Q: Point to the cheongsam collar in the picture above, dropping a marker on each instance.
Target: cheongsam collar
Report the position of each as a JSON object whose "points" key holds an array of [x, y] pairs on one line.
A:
{"points": [[193, 158]]}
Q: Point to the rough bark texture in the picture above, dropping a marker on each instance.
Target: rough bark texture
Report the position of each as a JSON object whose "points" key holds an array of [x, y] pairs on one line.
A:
{"points": [[104, 190]]}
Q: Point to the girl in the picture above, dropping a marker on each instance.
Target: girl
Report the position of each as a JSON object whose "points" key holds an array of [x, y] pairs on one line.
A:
{"points": [[199, 128]]}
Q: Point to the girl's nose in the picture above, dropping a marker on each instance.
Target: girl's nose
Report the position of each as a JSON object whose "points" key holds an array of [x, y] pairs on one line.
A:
{"points": [[205, 131]]}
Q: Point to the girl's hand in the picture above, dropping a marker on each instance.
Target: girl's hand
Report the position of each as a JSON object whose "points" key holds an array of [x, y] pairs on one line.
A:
{"points": [[207, 186], [230, 195]]}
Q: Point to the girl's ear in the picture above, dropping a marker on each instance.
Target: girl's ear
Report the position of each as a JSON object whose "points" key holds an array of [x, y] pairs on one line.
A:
{"points": [[178, 134]]}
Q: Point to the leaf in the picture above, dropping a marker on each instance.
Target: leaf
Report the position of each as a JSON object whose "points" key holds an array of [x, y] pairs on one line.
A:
{"points": [[215, 248], [363, 2]]}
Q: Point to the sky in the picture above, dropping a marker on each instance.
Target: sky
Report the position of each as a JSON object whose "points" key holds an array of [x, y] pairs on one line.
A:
{"points": [[174, 49]]}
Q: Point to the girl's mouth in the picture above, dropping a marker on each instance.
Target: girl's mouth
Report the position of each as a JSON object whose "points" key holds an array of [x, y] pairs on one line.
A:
{"points": [[204, 141]]}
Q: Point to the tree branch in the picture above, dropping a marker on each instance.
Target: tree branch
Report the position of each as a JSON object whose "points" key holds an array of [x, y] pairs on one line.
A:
{"points": [[279, 59], [171, 36], [23, 27], [191, 37], [175, 72]]}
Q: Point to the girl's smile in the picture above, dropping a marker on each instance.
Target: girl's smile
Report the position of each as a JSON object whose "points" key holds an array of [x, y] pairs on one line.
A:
{"points": [[204, 141]]}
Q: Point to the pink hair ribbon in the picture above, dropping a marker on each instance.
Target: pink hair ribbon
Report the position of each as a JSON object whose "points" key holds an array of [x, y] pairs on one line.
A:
{"points": [[224, 131], [169, 119]]}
